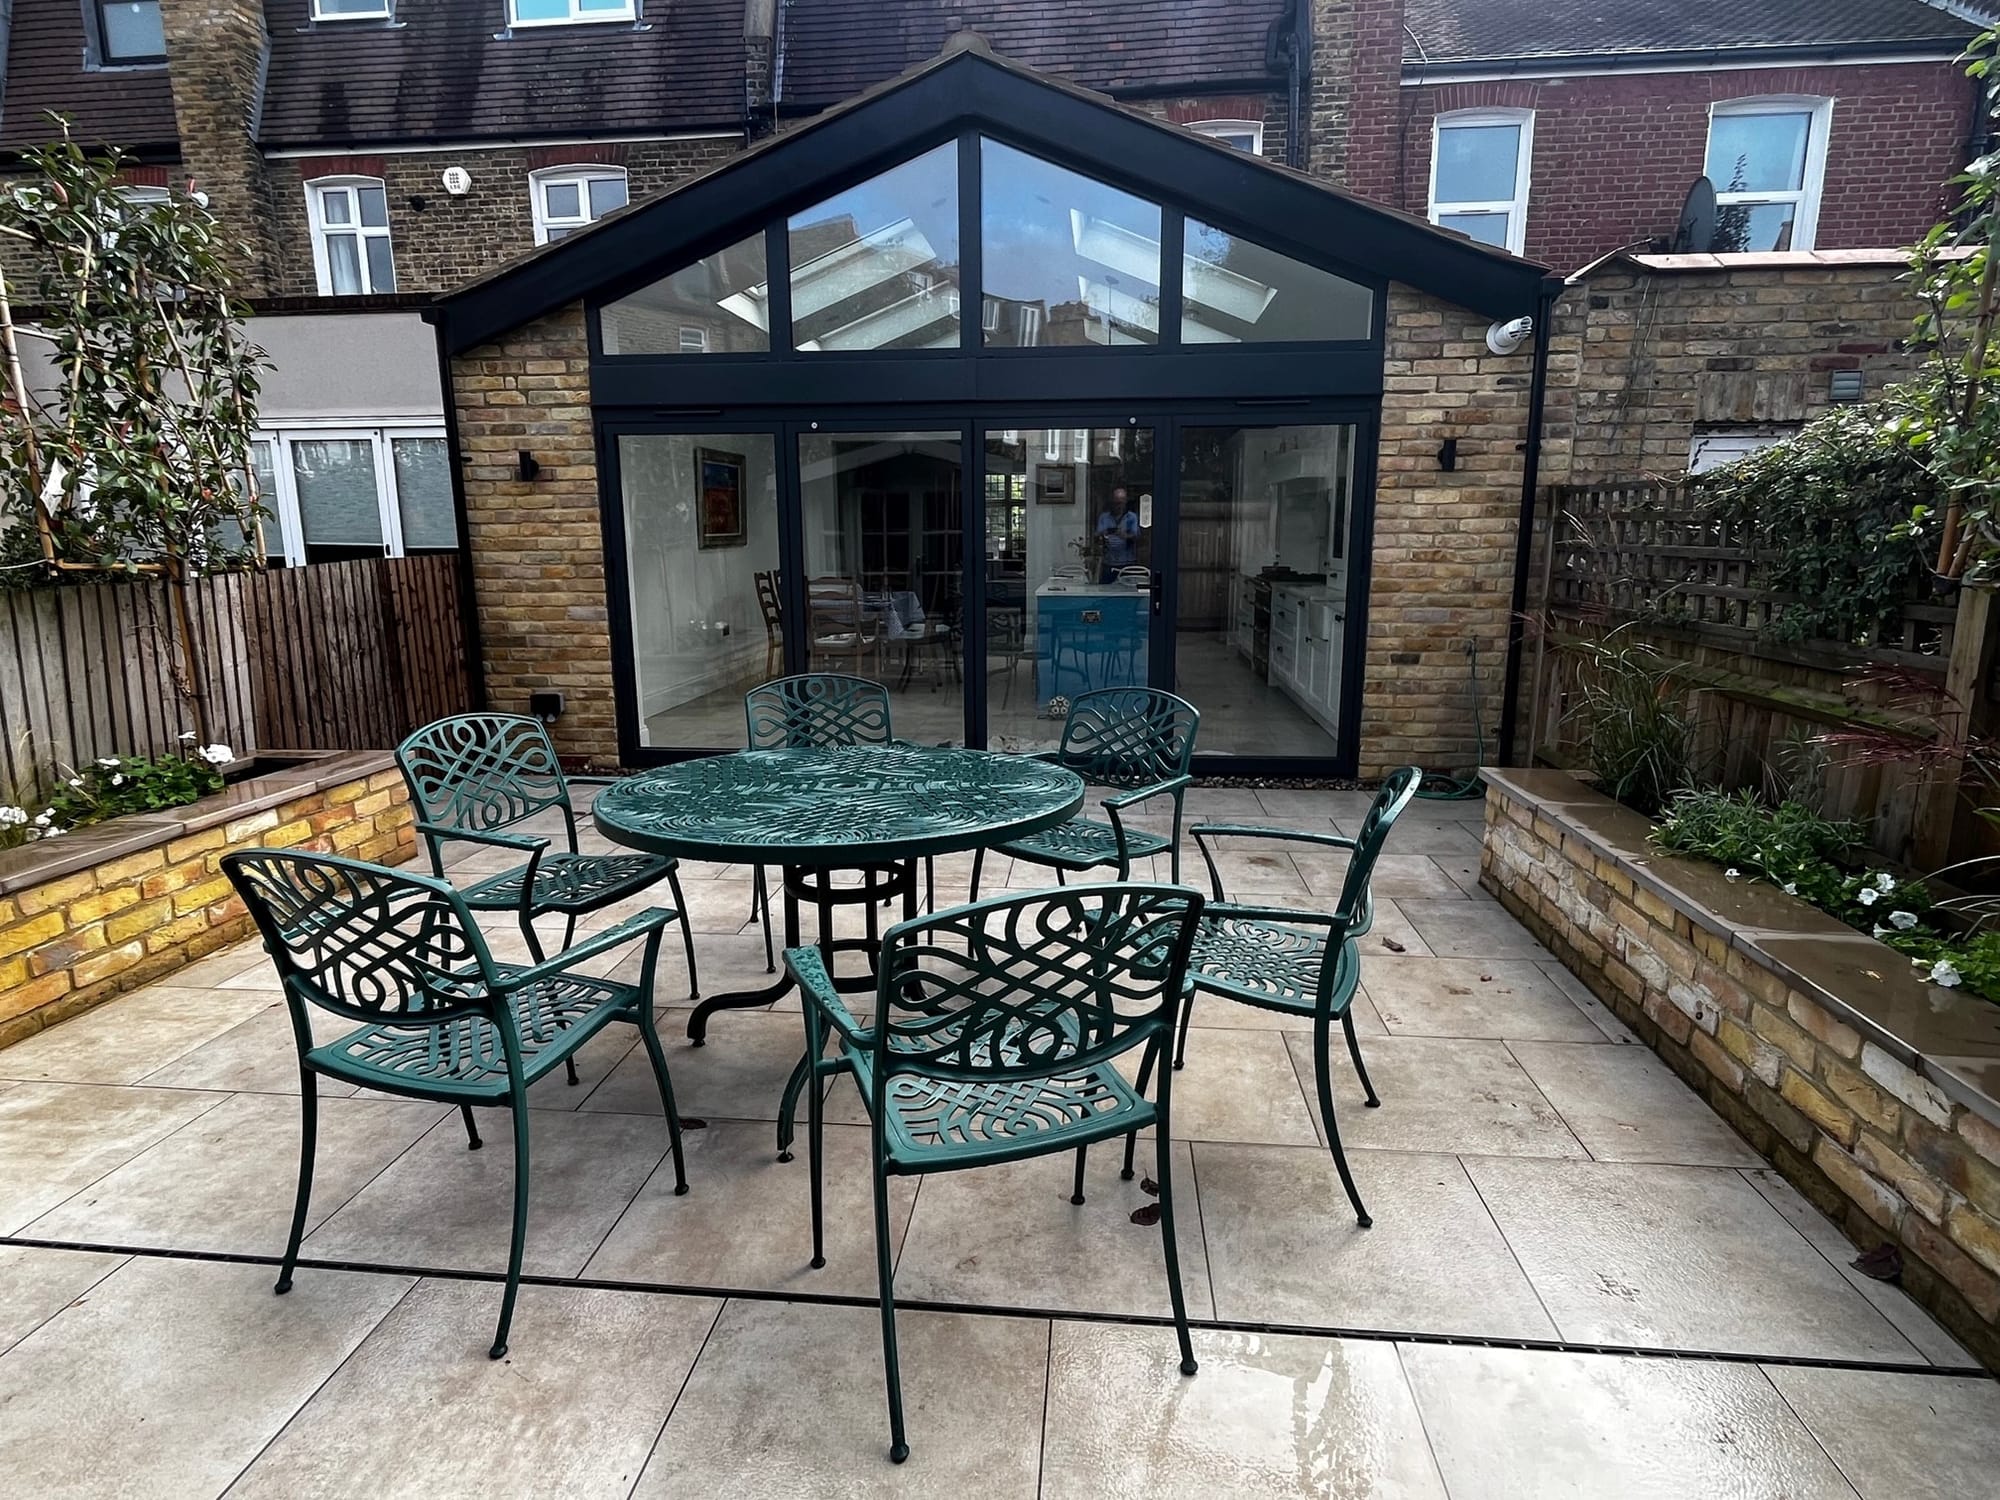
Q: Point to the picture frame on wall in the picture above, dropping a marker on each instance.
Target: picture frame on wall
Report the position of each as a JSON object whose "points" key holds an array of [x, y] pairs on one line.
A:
{"points": [[1055, 484], [719, 504]]}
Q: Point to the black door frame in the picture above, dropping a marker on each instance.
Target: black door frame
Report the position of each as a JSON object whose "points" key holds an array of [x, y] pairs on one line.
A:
{"points": [[1167, 421]]}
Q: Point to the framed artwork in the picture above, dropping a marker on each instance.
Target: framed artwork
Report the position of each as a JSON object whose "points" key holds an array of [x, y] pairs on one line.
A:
{"points": [[718, 482], [1055, 484]]}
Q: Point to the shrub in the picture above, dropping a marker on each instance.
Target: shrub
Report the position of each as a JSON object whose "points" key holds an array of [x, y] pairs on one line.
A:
{"points": [[1632, 705], [116, 784]]}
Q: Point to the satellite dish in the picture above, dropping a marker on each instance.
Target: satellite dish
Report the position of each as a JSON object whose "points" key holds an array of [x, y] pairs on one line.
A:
{"points": [[1695, 234]]}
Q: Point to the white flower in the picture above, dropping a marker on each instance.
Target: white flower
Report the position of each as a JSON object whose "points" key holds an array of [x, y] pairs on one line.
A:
{"points": [[118, 781], [1885, 882], [1944, 973], [1868, 895], [1732, 873], [216, 755], [109, 762], [76, 783], [45, 817], [1879, 931], [187, 736], [1902, 921], [13, 817], [1790, 887]]}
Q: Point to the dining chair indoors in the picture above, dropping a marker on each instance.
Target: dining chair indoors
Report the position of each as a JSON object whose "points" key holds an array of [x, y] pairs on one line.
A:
{"points": [[993, 1039], [474, 776], [1139, 740], [1299, 963], [439, 1018]]}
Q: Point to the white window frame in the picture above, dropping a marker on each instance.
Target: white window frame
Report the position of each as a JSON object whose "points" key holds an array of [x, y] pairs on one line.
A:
{"points": [[582, 174], [699, 344], [290, 542], [1819, 112], [576, 17], [1516, 207], [322, 262], [1219, 129], [384, 11]]}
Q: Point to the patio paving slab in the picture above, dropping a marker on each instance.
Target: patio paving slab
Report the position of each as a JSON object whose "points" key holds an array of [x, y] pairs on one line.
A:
{"points": [[1470, 929], [1417, 875], [56, 1138], [788, 1400], [573, 1410], [1676, 1258], [440, 1205], [1510, 1424], [1274, 1416], [1416, 832], [1223, 1014], [257, 1056], [1438, 1094], [1624, 1106], [1470, 997], [225, 1181], [1008, 1236], [746, 1222], [35, 1285], [1393, 936], [1238, 1085], [739, 1073], [172, 1375], [123, 1042], [1283, 1246], [1944, 1438]]}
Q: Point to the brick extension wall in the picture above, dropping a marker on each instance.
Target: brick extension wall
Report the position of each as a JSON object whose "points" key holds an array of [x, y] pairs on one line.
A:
{"points": [[1873, 1143], [77, 939]]}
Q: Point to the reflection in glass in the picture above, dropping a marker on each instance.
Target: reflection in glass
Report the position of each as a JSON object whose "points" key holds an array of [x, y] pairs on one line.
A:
{"points": [[885, 556], [1237, 291], [1477, 163], [701, 529], [339, 505], [1758, 153], [423, 494], [1067, 259], [876, 267], [718, 305], [1487, 228]]}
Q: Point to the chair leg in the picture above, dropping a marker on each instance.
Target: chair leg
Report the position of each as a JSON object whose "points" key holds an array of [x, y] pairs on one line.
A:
{"points": [[519, 1241], [650, 1035], [308, 1144], [930, 884], [1322, 1075], [1187, 1020], [569, 1063], [762, 896], [1163, 1157], [1076, 1188], [978, 859], [816, 1154], [687, 934], [472, 1140], [533, 937], [1132, 1136], [899, 1447], [1354, 1051]]}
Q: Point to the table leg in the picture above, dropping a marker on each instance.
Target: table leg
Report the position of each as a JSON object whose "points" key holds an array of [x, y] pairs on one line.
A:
{"points": [[697, 1027]]}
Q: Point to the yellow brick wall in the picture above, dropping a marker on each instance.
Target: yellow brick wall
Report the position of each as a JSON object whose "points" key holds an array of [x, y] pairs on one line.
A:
{"points": [[72, 942]]}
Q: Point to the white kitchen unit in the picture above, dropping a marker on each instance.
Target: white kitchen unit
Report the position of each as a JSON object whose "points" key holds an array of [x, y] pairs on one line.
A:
{"points": [[1308, 628]]}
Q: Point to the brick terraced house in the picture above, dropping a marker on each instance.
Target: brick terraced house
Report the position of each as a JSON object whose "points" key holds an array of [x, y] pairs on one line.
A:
{"points": [[1215, 391]]}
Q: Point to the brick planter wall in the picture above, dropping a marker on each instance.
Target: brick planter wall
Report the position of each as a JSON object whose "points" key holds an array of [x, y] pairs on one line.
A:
{"points": [[128, 901], [1870, 1090]]}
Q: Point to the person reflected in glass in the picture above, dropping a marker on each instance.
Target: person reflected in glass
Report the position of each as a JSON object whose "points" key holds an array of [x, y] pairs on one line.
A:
{"points": [[1117, 535]]}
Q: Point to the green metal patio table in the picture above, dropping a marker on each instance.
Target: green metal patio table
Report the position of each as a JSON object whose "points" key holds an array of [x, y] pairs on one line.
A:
{"points": [[878, 809]]}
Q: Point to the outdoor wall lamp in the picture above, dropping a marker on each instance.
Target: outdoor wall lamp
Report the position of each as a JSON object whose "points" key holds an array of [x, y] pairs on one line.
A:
{"points": [[1448, 454], [547, 706], [526, 466]]}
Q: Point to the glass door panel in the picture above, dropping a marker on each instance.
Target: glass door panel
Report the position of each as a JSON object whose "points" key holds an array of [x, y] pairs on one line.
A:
{"points": [[1261, 623], [884, 536], [701, 554], [1069, 558]]}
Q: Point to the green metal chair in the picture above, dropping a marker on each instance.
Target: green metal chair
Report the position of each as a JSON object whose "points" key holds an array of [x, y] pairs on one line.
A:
{"points": [[995, 1030], [1300, 963], [441, 1020], [1138, 739], [472, 776]]}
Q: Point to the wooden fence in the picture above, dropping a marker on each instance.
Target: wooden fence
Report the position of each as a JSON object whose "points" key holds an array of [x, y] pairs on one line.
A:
{"points": [[333, 656]]}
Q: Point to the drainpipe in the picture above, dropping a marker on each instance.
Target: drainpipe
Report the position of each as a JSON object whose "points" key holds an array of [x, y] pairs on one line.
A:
{"points": [[1300, 76], [1531, 464], [468, 603]]}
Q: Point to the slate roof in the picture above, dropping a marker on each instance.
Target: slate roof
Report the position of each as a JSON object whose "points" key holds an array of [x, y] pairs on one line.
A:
{"points": [[444, 74], [836, 48], [129, 107], [1461, 31]]}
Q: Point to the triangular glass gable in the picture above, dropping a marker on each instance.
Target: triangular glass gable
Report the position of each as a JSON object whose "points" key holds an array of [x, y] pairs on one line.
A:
{"points": [[1235, 291], [876, 267], [718, 305]]}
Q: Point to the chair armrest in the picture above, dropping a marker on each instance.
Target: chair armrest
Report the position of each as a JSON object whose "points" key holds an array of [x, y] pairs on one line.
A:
{"points": [[647, 924], [1139, 794], [1298, 918], [1247, 831], [444, 833], [595, 780], [816, 987]]}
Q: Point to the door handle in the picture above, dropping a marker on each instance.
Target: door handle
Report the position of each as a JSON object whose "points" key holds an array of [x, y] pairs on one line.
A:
{"points": [[1158, 589]]}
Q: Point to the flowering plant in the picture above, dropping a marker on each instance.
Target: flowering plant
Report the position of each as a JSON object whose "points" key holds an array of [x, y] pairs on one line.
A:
{"points": [[115, 784]]}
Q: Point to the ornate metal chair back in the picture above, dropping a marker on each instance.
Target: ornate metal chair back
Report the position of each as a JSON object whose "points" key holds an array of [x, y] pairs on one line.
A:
{"points": [[1129, 736], [362, 941], [485, 772], [767, 603], [1396, 794], [817, 711], [1033, 985]]}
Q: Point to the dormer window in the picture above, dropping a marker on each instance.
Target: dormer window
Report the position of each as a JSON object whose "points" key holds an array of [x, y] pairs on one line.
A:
{"points": [[1245, 135], [568, 12], [351, 10], [567, 198], [127, 32]]}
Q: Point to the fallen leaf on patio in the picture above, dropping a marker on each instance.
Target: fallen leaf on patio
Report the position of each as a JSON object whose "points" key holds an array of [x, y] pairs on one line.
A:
{"points": [[1148, 1213], [693, 1122], [1871, 974], [1883, 1263], [1149, 1187], [1456, 989], [1393, 946], [1485, 978]]}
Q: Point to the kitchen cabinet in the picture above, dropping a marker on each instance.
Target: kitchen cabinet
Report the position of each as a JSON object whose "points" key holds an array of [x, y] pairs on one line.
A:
{"points": [[1308, 636]]}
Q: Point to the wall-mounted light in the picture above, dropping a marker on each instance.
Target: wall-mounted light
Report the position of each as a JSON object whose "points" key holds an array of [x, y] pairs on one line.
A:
{"points": [[1448, 454], [1846, 385], [526, 466], [546, 706]]}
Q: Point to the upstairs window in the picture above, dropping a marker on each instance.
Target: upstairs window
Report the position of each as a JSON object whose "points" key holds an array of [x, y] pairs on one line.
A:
{"points": [[350, 228], [1244, 135], [1767, 158], [568, 12], [128, 31], [567, 198], [350, 10], [1479, 175]]}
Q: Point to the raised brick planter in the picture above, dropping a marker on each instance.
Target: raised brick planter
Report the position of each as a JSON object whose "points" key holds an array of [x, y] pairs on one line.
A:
{"points": [[1873, 1092], [114, 906]]}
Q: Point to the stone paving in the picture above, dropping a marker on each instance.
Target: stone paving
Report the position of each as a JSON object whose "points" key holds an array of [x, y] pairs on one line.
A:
{"points": [[1553, 1212]]}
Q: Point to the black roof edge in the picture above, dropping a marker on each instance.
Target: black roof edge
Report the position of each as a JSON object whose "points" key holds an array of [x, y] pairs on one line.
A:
{"points": [[968, 87], [1259, 83], [1853, 54]]}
